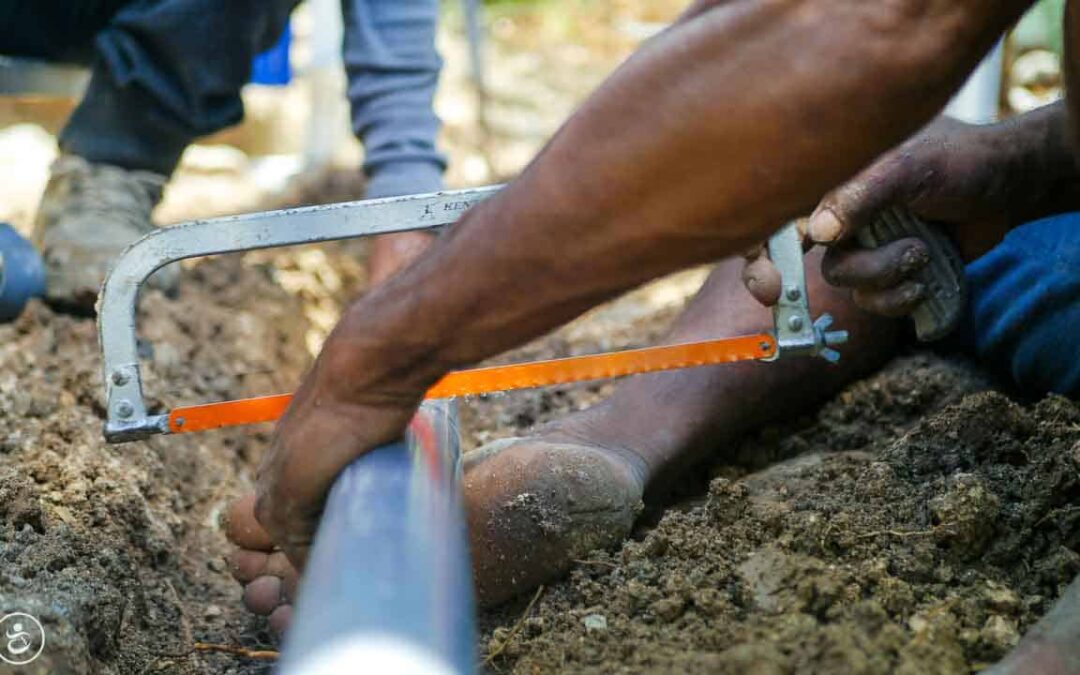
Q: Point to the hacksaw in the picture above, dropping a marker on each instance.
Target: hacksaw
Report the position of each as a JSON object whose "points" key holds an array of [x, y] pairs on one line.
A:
{"points": [[795, 332]]}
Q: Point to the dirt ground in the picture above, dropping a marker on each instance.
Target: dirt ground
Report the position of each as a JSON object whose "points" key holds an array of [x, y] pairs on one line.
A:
{"points": [[919, 522], [116, 548], [922, 523]]}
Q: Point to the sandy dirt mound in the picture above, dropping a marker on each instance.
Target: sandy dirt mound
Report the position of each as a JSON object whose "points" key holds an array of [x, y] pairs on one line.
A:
{"points": [[116, 548], [923, 525]]}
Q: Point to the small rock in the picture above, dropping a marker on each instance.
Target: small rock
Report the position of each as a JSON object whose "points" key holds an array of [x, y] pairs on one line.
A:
{"points": [[533, 626], [1000, 632], [917, 623], [212, 612], [667, 609], [215, 565], [595, 622], [1001, 599], [965, 515], [709, 601]]}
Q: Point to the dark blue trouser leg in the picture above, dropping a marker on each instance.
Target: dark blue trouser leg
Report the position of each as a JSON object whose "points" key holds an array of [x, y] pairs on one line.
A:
{"points": [[164, 71], [1024, 317]]}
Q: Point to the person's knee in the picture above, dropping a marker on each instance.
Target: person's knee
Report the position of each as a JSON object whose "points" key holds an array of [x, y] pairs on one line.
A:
{"points": [[1024, 315]]}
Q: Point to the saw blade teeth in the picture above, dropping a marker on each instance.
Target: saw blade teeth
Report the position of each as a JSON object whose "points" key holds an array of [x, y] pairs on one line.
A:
{"points": [[492, 379]]}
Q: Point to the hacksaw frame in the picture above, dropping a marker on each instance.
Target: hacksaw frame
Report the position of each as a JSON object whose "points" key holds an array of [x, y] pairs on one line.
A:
{"points": [[127, 418]]}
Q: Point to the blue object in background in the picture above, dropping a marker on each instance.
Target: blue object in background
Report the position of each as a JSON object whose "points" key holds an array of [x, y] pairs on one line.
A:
{"points": [[272, 66], [1024, 313], [22, 274]]}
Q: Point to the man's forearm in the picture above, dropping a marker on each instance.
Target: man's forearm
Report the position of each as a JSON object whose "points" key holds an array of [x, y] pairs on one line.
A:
{"points": [[713, 135], [1072, 71], [1045, 175]]}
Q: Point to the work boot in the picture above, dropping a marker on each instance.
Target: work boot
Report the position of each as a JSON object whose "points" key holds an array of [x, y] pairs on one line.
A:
{"points": [[88, 215]]}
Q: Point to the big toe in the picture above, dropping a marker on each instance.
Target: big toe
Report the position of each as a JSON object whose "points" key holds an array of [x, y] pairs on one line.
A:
{"points": [[534, 506]]}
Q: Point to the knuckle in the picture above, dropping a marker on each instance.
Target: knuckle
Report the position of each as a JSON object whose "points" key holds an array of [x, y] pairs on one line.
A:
{"points": [[264, 512]]}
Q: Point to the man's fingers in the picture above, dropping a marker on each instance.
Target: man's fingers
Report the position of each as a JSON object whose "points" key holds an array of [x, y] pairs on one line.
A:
{"points": [[263, 595], [293, 536], [243, 529], [894, 302], [855, 203], [877, 268], [762, 279]]}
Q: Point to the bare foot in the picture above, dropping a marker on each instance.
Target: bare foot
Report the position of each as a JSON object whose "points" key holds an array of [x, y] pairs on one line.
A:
{"points": [[390, 253], [533, 507]]}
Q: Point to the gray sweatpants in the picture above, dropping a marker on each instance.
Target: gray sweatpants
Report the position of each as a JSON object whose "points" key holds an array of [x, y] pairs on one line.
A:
{"points": [[165, 72]]}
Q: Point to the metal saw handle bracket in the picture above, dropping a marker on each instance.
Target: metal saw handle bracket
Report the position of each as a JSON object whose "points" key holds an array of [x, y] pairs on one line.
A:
{"points": [[127, 418], [797, 333]]}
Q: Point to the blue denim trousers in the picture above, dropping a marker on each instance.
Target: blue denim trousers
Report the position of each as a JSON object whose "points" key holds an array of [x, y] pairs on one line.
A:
{"points": [[168, 71], [164, 72], [1023, 319]]}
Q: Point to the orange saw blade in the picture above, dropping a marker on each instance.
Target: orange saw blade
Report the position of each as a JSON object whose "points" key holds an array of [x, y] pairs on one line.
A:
{"points": [[505, 378]]}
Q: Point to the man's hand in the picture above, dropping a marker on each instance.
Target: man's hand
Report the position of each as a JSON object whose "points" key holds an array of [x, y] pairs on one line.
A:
{"points": [[975, 181]]}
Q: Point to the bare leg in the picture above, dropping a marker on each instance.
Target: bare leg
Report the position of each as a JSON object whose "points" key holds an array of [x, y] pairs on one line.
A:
{"points": [[536, 504], [390, 253], [668, 420]]}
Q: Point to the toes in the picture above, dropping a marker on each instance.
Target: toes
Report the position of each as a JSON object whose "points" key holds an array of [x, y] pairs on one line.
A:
{"points": [[279, 619], [278, 565], [243, 530], [247, 566], [263, 595]]}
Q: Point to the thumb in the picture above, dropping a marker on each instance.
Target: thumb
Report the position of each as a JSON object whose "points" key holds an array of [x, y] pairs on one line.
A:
{"points": [[857, 202]]}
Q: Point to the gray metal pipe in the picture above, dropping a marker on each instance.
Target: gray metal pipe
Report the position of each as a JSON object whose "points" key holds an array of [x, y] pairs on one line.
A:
{"points": [[388, 585]]}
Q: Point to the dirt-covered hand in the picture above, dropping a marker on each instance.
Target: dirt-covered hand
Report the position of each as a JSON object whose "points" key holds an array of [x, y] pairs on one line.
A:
{"points": [[952, 174], [356, 398], [974, 181]]}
